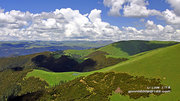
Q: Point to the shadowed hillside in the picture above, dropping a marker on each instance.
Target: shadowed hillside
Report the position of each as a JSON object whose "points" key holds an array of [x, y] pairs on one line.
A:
{"points": [[19, 61], [102, 61], [67, 64], [62, 64], [134, 47]]}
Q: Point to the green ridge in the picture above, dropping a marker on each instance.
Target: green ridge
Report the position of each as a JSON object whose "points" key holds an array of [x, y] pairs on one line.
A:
{"points": [[81, 53], [123, 49]]}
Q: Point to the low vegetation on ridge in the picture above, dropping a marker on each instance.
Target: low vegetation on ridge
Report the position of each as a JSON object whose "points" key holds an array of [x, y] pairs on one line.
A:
{"points": [[96, 87]]}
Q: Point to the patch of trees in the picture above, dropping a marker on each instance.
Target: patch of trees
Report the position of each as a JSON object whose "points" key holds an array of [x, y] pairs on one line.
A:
{"points": [[96, 87]]}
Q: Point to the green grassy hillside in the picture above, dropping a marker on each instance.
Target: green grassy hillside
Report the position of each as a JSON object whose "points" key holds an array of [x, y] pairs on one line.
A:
{"points": [[80, 53], [123, 49], [129, 48], [53, 78], [161, 63]]}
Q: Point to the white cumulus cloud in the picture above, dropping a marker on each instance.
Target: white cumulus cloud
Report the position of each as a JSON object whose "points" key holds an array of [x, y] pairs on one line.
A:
{"points": [[171, 17], [61, 24], [67, 24], [152, 32], [138, 8], [130, 8], [175, 4]]}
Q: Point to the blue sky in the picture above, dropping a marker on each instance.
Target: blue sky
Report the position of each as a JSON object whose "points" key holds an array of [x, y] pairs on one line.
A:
{"points": [[130, 19], [84, 6]]}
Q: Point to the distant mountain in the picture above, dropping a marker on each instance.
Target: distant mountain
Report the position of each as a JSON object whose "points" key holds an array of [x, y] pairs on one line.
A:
{"points": [[18, 48]]}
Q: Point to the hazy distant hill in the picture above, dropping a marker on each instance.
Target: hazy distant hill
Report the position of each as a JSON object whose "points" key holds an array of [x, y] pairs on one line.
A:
{"points": [[17, 48]]}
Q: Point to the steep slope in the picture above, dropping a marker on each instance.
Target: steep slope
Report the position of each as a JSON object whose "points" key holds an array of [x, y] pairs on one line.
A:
{"points": [[128, 48], [161, 63]]}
